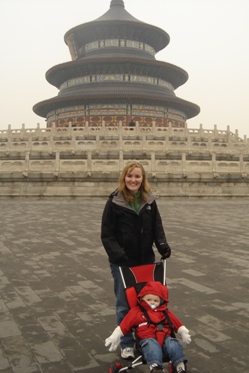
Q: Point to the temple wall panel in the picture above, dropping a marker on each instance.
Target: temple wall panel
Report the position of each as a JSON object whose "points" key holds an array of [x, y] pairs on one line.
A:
{"points": [[42, 165], [114, 114], [169, 165], [12, 165], [73, 165]]}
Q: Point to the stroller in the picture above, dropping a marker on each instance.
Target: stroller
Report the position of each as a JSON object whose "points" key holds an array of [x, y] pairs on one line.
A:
{"points": [[134, 279]]}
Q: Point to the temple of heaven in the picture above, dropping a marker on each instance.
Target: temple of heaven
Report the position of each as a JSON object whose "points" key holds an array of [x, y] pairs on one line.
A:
{"points": [[114, 77]]}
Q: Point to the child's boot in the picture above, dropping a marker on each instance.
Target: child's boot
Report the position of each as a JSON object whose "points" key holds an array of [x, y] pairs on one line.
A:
{"points": [[180, 368], [155, 368]]}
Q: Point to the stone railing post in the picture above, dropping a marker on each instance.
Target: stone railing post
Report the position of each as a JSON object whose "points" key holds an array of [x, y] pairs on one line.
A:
{"points": [[189, 142], [184, 164], [154, 128], [153, 163], [170, 129], [185, 133], [97, 143], [241, 162], [144, 143], [214, 163], [121, 160], [51, 139], [166, 141], [120, 139], [87, 128], [9, 132], [26, 165], [229, 140], [215, 131], [236, 135], [73, 139], [53, 130], [201, 129], [228, 135], [57, 162], [89, 163], [8, 139]]}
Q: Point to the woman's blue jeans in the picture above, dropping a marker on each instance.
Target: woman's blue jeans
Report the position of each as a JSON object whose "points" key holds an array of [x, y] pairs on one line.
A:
{"points": [[153, 352], [122, 307]]}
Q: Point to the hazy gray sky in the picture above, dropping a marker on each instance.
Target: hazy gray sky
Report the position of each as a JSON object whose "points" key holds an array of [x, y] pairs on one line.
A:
{"points": [[209, 39]]}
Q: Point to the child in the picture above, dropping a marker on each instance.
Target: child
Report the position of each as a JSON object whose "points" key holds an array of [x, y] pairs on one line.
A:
{"points": [[154, 325]]}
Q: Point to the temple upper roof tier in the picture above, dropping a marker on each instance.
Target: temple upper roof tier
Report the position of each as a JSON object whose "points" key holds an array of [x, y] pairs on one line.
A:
{"points": [[117, 22]]}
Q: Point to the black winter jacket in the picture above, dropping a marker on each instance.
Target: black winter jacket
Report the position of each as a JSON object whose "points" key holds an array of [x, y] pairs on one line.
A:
{"points": [[128, 236]]}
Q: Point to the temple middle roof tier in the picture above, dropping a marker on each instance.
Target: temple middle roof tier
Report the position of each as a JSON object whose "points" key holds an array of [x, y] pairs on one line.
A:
{"points": [[61, 73], [128, 88]]}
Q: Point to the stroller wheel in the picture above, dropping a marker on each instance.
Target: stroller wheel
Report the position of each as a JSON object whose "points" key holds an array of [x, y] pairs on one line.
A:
{"points": [[115, 368]]}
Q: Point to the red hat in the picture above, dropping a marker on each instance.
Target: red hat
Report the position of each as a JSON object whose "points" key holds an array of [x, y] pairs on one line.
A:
{"points": [[155, 288]]}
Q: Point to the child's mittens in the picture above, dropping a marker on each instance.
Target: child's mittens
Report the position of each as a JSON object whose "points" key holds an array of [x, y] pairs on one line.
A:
{"points": [[114, 339], [184, 333]]}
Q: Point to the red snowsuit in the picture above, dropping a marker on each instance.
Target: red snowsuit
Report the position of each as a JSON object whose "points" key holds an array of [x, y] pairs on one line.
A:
{"points": [[136, 317]]}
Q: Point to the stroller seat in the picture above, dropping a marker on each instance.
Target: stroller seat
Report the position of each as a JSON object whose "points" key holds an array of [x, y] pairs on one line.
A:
{"points": [[134, 278]]}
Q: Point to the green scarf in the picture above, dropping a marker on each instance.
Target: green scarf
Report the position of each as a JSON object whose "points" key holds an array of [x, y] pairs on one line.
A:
{"points": [[135, 204]]}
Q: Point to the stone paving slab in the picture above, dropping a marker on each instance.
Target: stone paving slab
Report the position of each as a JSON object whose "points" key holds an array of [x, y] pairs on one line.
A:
{"points": [[56, 291]]}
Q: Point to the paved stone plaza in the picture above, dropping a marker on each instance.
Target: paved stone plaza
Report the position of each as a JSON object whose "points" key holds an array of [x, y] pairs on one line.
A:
{"points": [[57, 302]]}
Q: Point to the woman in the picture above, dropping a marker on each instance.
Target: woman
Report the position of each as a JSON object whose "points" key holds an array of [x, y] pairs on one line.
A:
{"points": [[131, 224]]}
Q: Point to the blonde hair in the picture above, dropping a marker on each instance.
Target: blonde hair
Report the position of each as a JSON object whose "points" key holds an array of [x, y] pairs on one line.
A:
{"points": [[144, 188]]}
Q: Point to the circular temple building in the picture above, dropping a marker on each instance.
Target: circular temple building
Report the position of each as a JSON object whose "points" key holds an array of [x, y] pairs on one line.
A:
{"points": [[114, 77]]}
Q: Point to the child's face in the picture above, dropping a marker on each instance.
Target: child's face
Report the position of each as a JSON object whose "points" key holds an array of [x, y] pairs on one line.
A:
{"points": [[152, 300]]}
